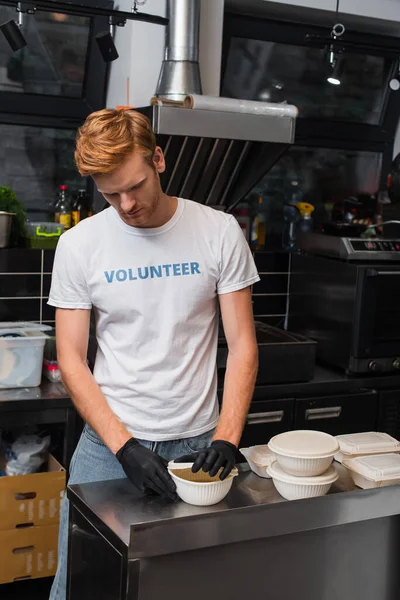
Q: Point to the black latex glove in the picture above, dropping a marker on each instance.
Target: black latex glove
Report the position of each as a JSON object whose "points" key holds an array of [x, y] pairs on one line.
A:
{"points": [[146, 470], [219, 454]]}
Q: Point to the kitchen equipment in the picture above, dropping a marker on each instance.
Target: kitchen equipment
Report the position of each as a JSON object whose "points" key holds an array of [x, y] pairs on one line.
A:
{"points": [[199, 489], [304, 453], [296, 488], [344, 229], [259, 458], [43, 234], [5, 228], [21, 354], [348, 304], [380, 470], [358, 444], [283, 356]]}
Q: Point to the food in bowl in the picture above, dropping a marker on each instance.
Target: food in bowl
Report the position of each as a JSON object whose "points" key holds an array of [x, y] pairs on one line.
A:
{"points": [[296, 488], [304, 453], [199, 489]]}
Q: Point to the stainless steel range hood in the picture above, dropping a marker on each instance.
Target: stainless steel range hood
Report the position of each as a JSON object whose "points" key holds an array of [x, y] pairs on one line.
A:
{"points": [[213, 156]]}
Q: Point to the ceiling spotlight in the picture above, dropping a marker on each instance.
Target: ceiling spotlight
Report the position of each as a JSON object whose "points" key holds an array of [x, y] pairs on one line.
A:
{"points": [[394, 83], [13, 35], [105, 41], [335, 76]]}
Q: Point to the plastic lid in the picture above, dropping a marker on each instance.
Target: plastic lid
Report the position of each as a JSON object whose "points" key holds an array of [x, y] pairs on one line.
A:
{"points": [[18, 326], [260, 455], [369, 442], [304, 444], [276, 472], [380, 467]]}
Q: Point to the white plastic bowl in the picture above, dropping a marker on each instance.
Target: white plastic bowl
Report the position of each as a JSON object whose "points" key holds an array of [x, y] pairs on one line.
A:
{"points": [[297, 488], [304, 453], [199, 488], [259, 458]]}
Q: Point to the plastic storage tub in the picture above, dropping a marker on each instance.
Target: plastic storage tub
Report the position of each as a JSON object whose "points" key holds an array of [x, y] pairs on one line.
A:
{"points": [[43, 234], [21, 354], [379, 470], [259, 458], [304, 453], [363, 444]]}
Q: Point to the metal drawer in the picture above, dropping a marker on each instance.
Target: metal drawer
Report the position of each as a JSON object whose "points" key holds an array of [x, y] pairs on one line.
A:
{"points": [[267, 418], [343, 413]]}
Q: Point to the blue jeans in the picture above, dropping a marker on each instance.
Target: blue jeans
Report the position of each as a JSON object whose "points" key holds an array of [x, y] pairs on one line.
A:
{"points": [[93, 461]]}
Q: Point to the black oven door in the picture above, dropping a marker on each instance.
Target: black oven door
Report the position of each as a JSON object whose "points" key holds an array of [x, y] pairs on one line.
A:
{"points": [[377, 313]]}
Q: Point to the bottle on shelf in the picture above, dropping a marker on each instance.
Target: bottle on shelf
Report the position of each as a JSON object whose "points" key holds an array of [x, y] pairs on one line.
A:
{"points": [[258, 231], [81, 208], [63, 208]]}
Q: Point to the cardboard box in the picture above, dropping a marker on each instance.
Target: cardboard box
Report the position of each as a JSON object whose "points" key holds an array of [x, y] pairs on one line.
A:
{"points": [[32, 499], [28, 553]]}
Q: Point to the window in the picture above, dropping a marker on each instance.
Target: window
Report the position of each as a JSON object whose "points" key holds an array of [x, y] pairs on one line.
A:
{"points": [[324, 177], [34, 162], [53, 62], [279, 72]]}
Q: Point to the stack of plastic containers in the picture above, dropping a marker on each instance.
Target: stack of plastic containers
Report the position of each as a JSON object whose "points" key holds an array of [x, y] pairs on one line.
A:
{"points": [[372, 458], [303, 463]]}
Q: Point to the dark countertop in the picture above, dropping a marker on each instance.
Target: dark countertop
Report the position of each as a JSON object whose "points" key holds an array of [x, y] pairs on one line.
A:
{"points": [[47, 395], [151, 526], [327, 381]]}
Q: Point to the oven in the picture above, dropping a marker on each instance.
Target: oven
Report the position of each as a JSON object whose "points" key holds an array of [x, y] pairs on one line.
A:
{"points": [[350, 307]]}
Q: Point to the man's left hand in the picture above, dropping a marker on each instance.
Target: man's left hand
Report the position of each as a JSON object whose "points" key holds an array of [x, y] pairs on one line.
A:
{"points": [[219, 455]]}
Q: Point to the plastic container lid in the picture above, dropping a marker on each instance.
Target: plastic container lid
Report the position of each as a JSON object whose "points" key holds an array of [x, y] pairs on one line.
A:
{"points": [[276, 472], [304, 444], [379, 467], [18, 326], [371, 442], [260, 455]]}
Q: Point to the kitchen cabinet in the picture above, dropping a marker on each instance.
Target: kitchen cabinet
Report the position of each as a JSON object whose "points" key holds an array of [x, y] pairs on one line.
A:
{"points": [[339, 413], [389, 412], [377, 9], [266, 419]]}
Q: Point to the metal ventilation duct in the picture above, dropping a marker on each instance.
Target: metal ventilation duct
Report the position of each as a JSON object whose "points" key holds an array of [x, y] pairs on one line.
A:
{"points": [[180, 72], [213, 156]]}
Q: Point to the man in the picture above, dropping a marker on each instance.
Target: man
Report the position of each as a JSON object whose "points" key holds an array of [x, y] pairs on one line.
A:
{"points": [[153, 268]]}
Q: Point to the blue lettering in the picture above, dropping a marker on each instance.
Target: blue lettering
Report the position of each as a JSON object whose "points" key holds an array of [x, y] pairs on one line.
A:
{"points": [[167, 268], [155, 271], [185, 269], [109, 276], [131, 276], [146, 273], [195, 268], [121, 275], [177, 269]]}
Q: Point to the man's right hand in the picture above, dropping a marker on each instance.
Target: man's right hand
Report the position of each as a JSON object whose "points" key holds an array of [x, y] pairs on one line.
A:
{"points": [[146, 470]]}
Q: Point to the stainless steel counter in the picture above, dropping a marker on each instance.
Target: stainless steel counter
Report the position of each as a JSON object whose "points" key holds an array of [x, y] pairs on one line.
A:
{"points": [[254, 543]]}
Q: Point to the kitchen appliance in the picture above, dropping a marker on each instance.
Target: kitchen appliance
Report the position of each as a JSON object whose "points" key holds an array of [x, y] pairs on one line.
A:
{"points": [[283, 356], [345, 295]]}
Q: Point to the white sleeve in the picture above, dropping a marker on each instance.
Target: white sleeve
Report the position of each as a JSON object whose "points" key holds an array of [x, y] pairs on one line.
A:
{"points": [[68, 282], [237, 269]]}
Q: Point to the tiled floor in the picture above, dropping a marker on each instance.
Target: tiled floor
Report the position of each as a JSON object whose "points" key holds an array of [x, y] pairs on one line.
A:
{"points": [[34, 589]]}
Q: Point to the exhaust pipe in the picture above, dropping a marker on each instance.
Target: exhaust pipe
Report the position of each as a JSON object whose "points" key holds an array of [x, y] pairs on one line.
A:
{"points": [[180, 71]]}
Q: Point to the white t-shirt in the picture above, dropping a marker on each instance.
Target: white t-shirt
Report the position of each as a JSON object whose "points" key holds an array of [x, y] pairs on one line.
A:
{"points": [[154, 292]]}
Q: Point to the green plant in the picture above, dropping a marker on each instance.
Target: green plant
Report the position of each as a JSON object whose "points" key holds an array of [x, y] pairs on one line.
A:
{"points": [[9, 203]]}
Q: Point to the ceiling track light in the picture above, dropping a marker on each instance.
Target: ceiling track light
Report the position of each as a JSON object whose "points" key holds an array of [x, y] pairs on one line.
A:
{"points": [[394, 82], [12, 30], [336, 62], [105, 39]]}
